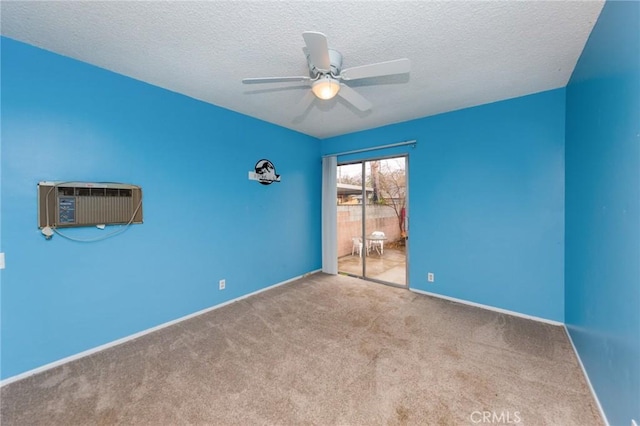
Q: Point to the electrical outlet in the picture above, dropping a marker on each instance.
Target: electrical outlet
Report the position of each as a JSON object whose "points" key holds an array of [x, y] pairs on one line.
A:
{"points": [[222, 284], [431, 277]]}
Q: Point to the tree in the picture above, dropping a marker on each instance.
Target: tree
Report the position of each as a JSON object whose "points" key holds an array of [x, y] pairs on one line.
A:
{"points": [[375, 181], [390, 187]]}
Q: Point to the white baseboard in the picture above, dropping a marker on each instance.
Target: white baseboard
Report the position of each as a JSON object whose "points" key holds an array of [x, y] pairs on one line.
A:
{"points": [[586, 376], [141, 333], [491, 308]]}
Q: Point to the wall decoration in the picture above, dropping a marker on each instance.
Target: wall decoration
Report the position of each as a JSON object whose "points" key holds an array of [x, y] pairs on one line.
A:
{"points": [[265, 173]]}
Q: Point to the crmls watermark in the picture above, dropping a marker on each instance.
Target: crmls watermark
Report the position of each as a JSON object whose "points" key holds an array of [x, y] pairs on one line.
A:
{"points": [[496, 417]]}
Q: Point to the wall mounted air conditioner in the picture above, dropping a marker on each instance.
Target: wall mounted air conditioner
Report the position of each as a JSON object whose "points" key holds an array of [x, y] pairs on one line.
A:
{"points": [[70, 204]]}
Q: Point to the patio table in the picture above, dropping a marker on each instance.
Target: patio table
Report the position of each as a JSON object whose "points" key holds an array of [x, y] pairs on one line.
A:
{"points": [[376, 238]]}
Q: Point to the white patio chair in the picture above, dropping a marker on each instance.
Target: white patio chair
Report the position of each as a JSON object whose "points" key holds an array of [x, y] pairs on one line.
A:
{"points": [[356, 245], [376, 244]]}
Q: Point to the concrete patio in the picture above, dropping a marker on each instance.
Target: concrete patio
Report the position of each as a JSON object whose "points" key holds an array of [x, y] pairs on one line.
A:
{"points": [[390, 267]]}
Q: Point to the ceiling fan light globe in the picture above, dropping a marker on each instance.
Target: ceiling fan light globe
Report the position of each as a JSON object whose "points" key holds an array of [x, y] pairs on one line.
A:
{"points": [[326, 88]]}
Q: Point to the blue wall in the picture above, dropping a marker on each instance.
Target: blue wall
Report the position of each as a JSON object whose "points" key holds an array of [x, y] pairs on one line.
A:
{"points": [[203, 219], [602, 281], [486, 201]]}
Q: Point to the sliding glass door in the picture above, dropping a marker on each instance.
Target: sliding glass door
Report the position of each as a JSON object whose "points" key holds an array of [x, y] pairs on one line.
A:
{"points": [[372, 212]]}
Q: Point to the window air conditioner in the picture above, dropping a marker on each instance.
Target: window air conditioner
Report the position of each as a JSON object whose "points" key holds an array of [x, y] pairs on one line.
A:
{"points": [[71, 204]]}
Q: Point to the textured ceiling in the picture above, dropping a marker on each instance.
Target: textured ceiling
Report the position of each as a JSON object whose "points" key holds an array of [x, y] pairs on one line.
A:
{"points": [[462, 53]]}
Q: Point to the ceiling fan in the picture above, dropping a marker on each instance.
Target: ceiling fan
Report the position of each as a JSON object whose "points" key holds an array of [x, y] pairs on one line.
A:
{"points": [[326, 76]]}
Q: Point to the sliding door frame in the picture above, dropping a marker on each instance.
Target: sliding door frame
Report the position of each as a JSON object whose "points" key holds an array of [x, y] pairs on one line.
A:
{"points": [[362, 162]]}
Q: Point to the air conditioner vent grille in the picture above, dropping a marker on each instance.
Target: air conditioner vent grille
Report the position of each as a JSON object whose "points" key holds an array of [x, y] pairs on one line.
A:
{"points": [[69, 204]]}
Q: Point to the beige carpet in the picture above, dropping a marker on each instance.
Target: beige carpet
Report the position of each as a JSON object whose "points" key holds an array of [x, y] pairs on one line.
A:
{"points": [[324, 350]]}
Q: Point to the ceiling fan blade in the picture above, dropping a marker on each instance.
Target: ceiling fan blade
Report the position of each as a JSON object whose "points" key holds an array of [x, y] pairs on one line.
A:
{"points": [[306, 100], [274, 79], [318, 49], [354, 98], [398, 66], [304, 104]]}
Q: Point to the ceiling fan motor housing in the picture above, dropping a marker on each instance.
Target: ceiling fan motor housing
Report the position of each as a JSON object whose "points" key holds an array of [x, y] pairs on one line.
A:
{"points": [[335, 59]]}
